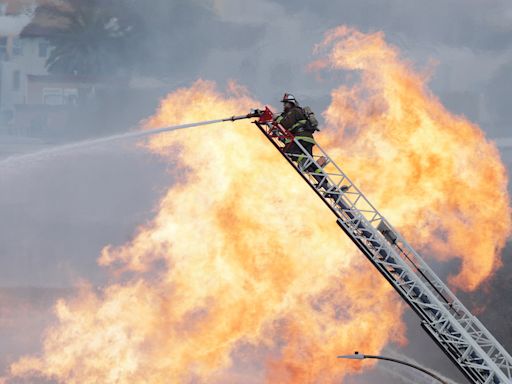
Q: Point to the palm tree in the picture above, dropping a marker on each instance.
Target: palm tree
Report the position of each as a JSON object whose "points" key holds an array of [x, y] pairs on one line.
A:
{"points": [[91, 36]]}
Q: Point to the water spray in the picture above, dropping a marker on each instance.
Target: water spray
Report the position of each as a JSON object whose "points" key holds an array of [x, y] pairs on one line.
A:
{"points": [[46, 153]]}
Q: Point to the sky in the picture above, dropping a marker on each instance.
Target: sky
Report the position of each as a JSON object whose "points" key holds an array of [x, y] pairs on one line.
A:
{"points": [[58, 213], [268, 46]]}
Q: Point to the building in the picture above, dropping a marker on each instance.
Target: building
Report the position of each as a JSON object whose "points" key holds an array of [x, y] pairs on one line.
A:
{"points": [[21, 56], [31, 99]]}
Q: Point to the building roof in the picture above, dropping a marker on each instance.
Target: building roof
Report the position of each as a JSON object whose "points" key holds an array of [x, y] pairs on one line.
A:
{"points": [[38, 30], [15, 7], [42, 24], [64, 79]]}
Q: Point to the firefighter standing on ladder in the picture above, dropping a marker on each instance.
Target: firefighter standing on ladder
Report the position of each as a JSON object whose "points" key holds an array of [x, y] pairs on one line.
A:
{"points": [[302, 124], [294, 119]]}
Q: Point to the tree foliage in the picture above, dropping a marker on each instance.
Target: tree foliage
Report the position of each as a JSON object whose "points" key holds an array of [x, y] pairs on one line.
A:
{"points": [[92, 37]]}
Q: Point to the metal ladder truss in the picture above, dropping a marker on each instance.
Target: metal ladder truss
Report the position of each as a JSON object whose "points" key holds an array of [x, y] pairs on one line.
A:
{"points": [[461, 335]]}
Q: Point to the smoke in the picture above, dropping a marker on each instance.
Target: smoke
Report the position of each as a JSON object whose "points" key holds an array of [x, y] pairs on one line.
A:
{"points": [[222, 285], [12, 25], [210, 283], [256, 66]]}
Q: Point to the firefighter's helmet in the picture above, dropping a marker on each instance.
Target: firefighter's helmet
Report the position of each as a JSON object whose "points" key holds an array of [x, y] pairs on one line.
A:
{"points": [[289, 98]]}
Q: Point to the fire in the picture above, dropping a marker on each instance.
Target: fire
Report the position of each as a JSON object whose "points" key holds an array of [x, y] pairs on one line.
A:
{"points": [[432, 173], [243, 275], [242, 266]]}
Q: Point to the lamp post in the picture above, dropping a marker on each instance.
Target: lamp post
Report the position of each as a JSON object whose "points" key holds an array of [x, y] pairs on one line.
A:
{"points": [[360, 356]]}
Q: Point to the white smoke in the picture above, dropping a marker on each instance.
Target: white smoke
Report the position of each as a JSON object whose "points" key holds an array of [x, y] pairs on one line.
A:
{"points": [[12, 25]]}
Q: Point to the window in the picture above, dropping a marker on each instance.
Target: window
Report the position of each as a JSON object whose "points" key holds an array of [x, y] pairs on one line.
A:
{"points": [[43, 49], [3, 47], [52, 96], [17, 46], [3, 8], [70, 96], [16, 80]]}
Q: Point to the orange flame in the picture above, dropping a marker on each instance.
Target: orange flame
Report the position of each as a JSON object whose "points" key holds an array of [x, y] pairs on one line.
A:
{"points": [[241, 266], [432, 173], [243, 275]]}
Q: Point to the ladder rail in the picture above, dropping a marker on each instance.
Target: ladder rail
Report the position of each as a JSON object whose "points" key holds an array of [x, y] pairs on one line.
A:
{"points": [[466, 341], [474, 326]]}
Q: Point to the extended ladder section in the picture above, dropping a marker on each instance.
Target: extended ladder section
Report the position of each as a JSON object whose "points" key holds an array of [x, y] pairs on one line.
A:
{"points": [[461, 335]]}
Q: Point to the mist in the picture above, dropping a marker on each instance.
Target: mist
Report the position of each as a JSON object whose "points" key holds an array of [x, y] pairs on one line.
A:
{"points": [[59, 212]]}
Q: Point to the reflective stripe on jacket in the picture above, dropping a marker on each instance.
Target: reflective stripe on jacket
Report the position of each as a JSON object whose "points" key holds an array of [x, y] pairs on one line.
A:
{"points": [[293, 119]]}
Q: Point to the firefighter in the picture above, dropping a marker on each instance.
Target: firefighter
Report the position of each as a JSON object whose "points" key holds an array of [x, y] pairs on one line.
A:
{"points": [[295, 121], [302, 124]]}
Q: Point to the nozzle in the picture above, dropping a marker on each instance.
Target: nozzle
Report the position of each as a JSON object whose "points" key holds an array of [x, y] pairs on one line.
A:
{"points": [[250, 115], [255, 113]]}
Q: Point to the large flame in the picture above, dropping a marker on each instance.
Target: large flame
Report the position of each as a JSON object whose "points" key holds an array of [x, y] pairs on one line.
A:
{"points": [[432, 173], [243, 275], [242, 266]]}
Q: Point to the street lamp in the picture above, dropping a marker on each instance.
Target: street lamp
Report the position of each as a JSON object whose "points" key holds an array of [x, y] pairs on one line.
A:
{"points": [[360, 356]]}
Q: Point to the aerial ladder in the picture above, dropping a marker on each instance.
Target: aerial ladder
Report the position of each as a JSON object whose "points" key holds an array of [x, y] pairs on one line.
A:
{"points": [[473, 349]]}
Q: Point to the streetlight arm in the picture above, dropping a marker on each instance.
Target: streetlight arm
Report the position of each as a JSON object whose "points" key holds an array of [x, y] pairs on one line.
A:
{"points": [[360, 356]]}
